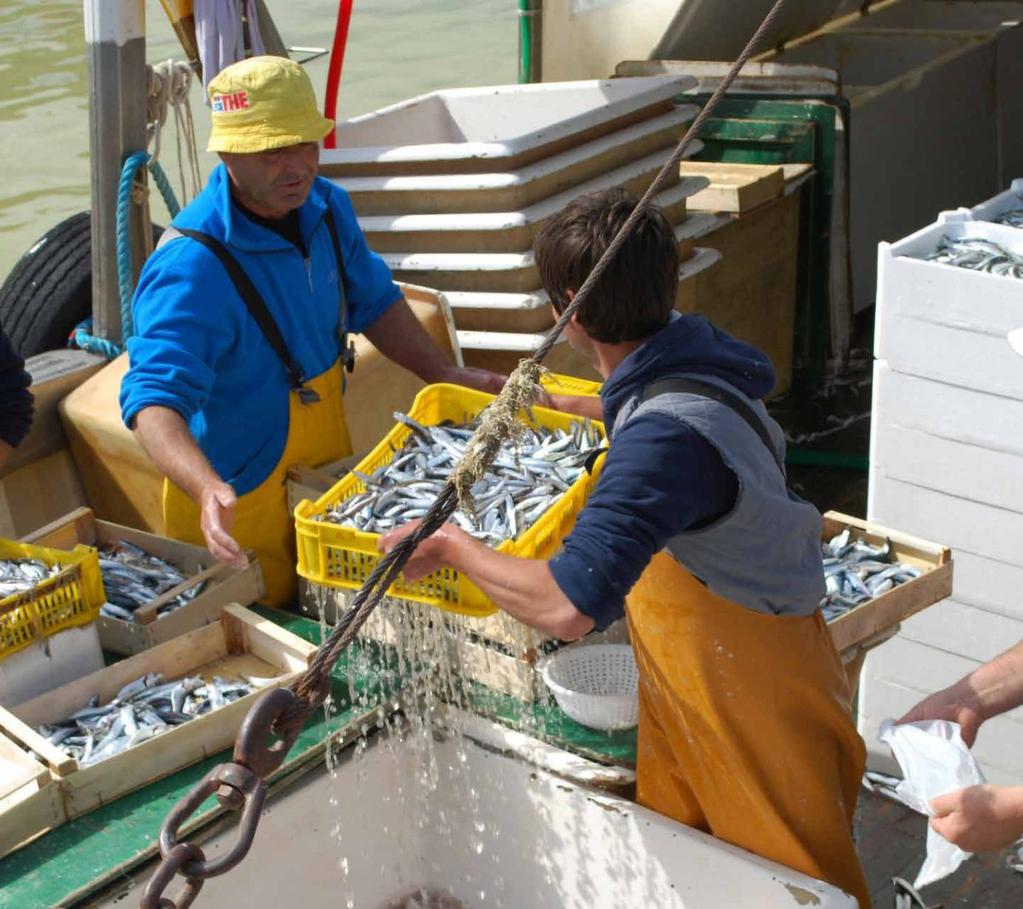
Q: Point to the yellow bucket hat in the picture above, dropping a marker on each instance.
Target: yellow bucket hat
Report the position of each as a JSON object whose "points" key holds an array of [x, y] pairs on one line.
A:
{"points": [[263, 103]]}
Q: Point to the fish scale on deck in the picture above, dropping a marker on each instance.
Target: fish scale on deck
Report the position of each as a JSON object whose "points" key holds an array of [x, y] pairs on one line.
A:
{"points": [[520, 486]]}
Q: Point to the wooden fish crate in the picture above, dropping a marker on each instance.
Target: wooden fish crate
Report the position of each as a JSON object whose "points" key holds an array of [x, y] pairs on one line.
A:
{"points": [[240, 643], [224, 584], [870, 624], [733, 188], [30, 802]]}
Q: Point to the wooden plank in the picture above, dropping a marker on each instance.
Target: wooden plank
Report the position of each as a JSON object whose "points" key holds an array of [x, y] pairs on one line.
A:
{"points": [[242, 643], [734, 188], [146, 614], [24, 819], [874, 617], [18, 769], [58, 761]]}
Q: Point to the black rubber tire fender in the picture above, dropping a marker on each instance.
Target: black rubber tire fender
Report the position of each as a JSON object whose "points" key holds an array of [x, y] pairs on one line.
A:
{"points": [[49, 290]]}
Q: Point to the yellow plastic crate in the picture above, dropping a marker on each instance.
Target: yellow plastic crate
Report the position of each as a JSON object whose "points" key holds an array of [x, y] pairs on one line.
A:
{"points": [[69, 598], [557, 384], [336, 556]]}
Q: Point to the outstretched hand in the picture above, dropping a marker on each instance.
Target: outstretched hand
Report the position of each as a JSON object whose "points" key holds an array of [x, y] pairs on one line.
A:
{"points": [[430, 554], [217, 504]]}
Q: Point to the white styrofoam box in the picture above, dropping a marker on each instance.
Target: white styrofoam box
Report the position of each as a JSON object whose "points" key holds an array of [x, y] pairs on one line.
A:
{"points": [[49, 663], [901, 673], [518, 188], [461, 301], [505, 272], [463, 127], [967, 471], [995, 207], [967, 630], [947, 411], [948, 323], [984, 530]]}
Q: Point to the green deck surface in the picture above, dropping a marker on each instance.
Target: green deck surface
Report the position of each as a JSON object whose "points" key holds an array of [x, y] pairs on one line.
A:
{"points": [[74, 860]]}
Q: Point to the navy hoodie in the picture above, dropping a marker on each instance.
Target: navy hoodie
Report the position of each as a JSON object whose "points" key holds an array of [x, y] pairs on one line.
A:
{"points": [[660, 477]]}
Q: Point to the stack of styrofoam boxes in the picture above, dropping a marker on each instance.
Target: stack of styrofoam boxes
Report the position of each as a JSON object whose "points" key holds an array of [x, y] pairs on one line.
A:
{"points": [[947, 465], [451, 189]]}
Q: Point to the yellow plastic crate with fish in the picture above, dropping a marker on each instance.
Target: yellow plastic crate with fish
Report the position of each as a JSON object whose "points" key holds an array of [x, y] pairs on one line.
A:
{"points": [[69, 597], [335, 555]]}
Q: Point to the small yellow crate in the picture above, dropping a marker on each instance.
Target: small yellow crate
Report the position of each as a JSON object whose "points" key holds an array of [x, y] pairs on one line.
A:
{"points": [[69, 598], [336, 556], [557, 384]]}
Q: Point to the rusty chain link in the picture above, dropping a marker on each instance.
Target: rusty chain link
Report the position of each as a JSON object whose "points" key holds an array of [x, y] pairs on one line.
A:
{"points": [[276, 719]]}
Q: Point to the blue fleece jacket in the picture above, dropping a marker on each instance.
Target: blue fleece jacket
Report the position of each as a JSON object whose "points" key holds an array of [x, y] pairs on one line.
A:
{"points": [[660, 477], [198, 351]]}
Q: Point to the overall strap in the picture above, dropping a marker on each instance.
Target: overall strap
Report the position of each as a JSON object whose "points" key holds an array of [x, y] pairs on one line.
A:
{"points": [[731, 400], [257, 308], [347, 350]]}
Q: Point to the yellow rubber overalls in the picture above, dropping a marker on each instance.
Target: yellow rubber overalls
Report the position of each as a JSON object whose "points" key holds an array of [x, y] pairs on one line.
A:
{"points": [[745, 728], [317, 433]]}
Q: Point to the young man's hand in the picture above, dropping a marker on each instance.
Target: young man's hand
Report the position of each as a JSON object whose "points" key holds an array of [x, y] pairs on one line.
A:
{"points": [[956, 703], [980, 818], [430, 554], [217, 503]]}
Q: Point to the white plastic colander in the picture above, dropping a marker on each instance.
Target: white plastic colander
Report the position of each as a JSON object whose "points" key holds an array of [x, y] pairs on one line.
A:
{"points": [[596, 684]]}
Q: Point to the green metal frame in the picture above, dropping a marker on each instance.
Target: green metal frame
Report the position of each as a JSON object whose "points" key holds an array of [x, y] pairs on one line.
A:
{"points": [[781, 130]]}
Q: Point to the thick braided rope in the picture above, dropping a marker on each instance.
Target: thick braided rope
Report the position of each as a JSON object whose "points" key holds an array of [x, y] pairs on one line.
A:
{"points": [[519, 391]]}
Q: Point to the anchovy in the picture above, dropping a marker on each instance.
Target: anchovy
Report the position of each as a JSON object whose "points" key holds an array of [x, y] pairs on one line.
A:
{"points": [[978, 254], [142, 709], [133, 577], [20, 575], [856, 572], [523, 482]]}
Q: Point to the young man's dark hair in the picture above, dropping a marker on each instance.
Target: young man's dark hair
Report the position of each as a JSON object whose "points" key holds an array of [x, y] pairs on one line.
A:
{"points": [[634, 297]]}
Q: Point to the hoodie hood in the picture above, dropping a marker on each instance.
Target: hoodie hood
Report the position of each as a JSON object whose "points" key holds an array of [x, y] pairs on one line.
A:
{"points": [[688, 345]]}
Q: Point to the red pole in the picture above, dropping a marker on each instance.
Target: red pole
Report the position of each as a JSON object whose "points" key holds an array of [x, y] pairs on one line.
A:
{"points": [[337, 59]]}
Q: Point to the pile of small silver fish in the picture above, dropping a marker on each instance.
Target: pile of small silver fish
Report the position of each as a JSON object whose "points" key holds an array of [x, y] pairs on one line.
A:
{"points": [[140, 710], [978, 254], [523, 482], [1013, 218], [19, 575], [855, 572], [132, 577]]}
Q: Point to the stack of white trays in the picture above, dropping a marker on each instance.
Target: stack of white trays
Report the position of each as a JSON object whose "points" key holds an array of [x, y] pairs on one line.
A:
{"points": [[947, 464]]}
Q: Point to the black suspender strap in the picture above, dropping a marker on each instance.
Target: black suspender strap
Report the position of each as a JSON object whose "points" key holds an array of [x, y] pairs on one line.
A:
{"points": [[257, 308], [347, 350], [689, 386]]}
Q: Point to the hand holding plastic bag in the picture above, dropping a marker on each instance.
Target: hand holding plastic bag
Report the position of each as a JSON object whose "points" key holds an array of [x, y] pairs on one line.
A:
{"points": [[934, 761]]}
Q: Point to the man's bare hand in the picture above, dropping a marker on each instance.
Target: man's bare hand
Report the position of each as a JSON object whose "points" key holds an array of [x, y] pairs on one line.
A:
{"points": [[479, 379], [956, 704], [980, 818], [217, 504]]}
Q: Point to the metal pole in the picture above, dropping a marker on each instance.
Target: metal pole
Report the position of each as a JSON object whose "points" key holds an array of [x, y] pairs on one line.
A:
{"points": [[530, 40], [115, 38]]}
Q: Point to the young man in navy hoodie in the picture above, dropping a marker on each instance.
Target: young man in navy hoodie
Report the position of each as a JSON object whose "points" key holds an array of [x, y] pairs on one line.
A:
{"points": [[745, 727]]}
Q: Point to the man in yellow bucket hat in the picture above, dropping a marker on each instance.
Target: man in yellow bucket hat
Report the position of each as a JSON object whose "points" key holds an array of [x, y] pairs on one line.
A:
{"points": [[242, 316]]}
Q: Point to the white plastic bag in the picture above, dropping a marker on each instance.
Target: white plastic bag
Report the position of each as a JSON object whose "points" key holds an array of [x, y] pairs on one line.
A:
{"points": [[934, 760]]}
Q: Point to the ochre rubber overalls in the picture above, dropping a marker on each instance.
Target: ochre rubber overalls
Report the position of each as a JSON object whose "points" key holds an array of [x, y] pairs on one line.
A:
{"points": [[745, 728], [317, 433]]}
